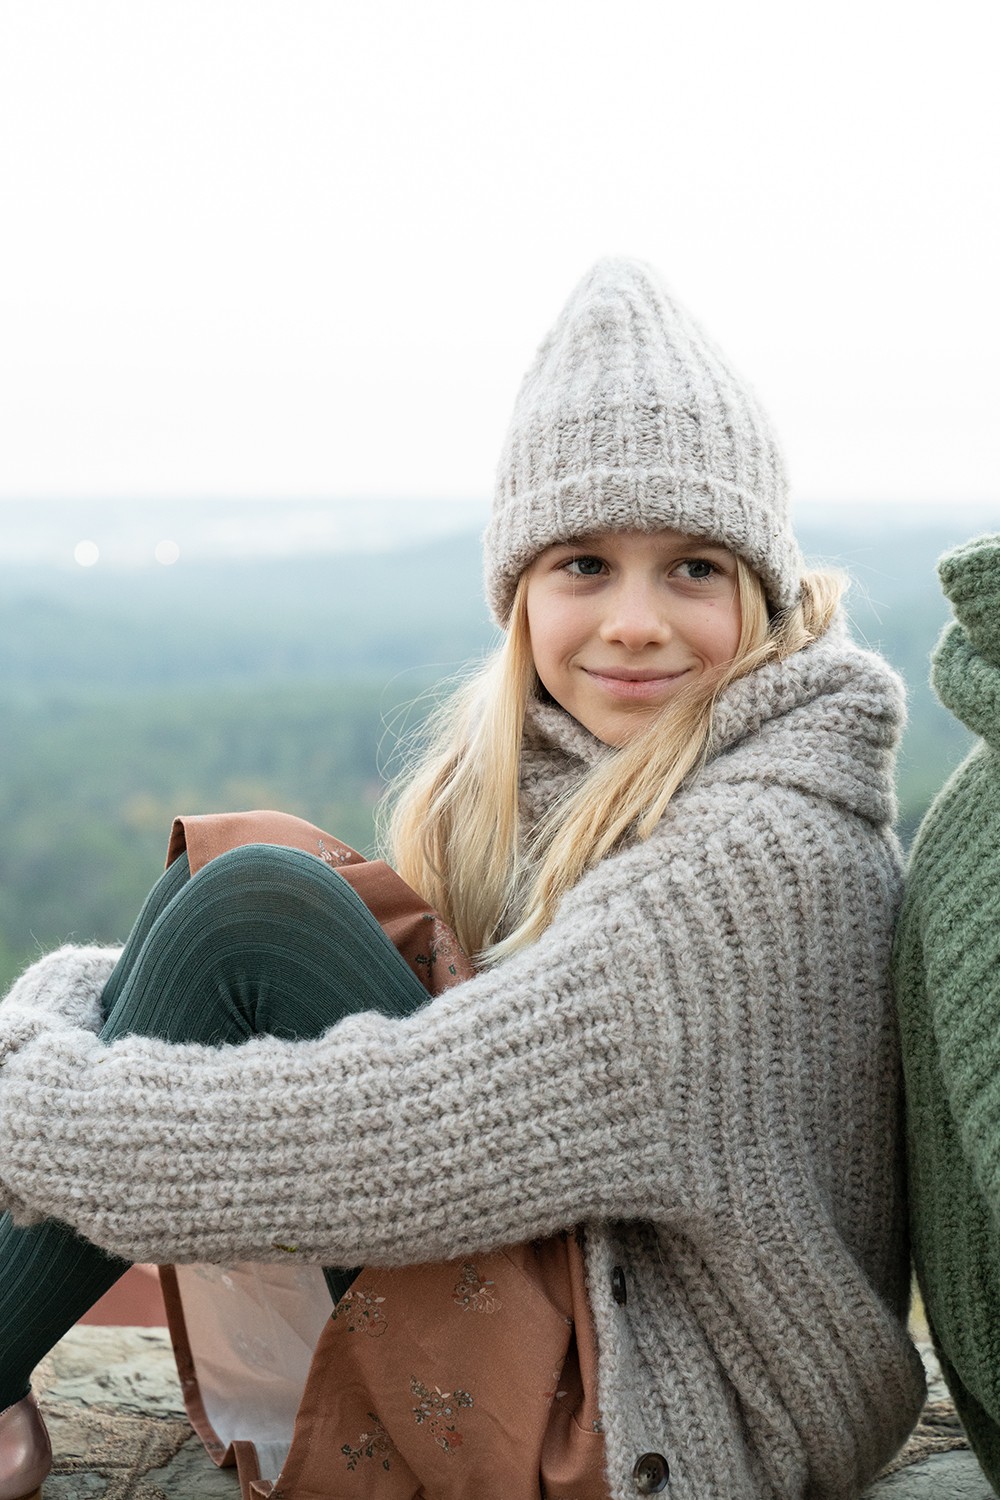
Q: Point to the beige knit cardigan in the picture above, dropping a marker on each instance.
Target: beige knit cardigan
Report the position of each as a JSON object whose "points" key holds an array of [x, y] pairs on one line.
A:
{"points": [[697, 1061]]}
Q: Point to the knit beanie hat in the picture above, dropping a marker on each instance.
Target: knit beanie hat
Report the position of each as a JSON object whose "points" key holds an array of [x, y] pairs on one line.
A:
{"points": [[629, 419]]}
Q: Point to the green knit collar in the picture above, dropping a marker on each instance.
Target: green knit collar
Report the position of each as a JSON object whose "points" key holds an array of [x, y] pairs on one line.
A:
{"points": [[966, 661], [967, 683]]}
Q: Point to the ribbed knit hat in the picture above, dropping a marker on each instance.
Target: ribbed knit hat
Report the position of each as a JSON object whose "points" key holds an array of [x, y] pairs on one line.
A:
{"points": [[630, 419]]}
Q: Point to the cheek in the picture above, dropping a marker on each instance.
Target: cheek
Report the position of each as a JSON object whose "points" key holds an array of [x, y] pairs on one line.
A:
{"points": [[550, 631], [539, 636], [721, 633], [733, 632]]}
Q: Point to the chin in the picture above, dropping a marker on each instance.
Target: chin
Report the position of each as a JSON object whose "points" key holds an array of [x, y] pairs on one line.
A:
{"points": [[620, 735]]}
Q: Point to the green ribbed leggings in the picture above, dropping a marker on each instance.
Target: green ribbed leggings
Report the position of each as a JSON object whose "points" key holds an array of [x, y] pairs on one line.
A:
{"points": [[262, 941]]}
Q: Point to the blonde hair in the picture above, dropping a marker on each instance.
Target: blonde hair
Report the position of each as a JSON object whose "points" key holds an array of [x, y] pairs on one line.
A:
{"points": [[454, 833]]}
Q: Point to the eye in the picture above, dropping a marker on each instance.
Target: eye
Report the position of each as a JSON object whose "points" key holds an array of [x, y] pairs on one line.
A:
{"points": [[584, 566], [697, 568]]}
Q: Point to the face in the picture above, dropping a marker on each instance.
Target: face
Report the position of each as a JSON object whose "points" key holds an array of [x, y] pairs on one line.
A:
{"points": [[621, 621]]}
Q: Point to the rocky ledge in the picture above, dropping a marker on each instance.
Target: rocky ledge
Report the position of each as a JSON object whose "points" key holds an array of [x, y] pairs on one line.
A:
{"points": [[114, 1410]]}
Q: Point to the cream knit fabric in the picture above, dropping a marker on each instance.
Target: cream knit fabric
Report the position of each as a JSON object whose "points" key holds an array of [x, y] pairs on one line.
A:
{"points": [[61, 990], [697, 1061], [631, 419]]}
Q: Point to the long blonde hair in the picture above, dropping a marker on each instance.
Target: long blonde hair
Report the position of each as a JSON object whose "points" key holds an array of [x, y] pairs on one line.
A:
{"points": [[454, 833]]}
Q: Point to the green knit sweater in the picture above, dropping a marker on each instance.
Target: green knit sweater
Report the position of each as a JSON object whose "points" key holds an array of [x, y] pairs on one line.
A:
{"points": [[947, 969]]}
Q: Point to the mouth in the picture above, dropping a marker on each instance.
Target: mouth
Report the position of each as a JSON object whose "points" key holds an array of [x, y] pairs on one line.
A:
{"points": [[634, 684]]}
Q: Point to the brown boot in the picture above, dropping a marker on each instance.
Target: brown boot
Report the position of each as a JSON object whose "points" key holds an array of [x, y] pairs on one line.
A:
{"points": [[25, 1454]]}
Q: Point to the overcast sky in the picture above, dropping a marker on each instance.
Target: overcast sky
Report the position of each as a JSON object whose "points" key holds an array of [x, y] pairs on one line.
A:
{"points": [[305, 250]]}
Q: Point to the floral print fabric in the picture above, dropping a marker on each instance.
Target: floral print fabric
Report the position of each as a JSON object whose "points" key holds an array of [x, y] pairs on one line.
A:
{"points": [[445, 1381]]}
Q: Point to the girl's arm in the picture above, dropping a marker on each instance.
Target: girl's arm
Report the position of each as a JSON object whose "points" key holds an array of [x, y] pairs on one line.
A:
{"points": [[512, 1106]]}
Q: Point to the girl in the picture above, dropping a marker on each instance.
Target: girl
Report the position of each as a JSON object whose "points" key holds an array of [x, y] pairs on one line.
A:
{"points": [[660, 819]]}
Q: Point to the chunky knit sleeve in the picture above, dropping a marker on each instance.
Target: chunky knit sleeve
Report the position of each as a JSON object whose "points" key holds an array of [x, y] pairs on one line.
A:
{"points": [[491, 1116]]}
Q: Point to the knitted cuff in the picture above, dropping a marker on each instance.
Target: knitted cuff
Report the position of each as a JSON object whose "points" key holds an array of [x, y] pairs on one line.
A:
{"points": [[61, 991], [23, 1215]]}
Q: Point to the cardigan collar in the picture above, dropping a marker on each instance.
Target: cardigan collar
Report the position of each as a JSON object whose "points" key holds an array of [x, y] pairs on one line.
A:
{"points": [[967, 683], [966, 661]]}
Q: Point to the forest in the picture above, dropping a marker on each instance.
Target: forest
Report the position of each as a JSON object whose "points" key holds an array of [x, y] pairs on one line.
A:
{"points": [[130, 696]]}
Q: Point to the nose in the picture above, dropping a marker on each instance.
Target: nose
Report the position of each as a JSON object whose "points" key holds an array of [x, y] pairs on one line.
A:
{"points": [[636, 617]]}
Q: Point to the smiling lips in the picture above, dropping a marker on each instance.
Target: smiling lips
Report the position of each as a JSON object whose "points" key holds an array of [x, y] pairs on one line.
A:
{"points": [[633, 684]]}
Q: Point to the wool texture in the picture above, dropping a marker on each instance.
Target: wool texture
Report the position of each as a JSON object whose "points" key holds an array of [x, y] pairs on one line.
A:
{"points": [[631, 419], [947, 975], [63, 989], [697, 1062]]}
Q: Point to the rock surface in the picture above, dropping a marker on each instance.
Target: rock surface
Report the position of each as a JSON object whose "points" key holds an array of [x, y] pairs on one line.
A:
{"points": [[113, 1406], [946, 1476]]}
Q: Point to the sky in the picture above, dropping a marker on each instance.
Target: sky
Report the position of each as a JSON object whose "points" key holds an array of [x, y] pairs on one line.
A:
{"points": [[304, 251]]}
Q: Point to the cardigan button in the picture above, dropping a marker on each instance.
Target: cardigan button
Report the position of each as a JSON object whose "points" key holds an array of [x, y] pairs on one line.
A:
{"points": [[619, 1286], [650, 1474]]}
